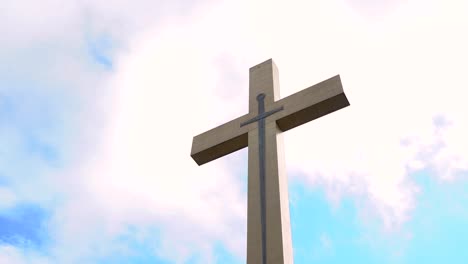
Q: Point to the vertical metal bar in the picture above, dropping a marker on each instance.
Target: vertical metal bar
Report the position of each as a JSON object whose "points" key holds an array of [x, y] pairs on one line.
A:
{"points": [[261, 153]]}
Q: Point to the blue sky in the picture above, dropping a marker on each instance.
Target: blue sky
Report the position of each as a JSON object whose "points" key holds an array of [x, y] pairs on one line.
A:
{"points": [[99, 103]]}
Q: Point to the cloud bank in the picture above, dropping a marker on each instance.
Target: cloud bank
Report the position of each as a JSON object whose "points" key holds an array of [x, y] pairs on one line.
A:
{"points": [[122, 130]]}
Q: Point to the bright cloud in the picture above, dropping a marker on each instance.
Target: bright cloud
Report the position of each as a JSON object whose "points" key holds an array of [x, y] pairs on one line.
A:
{"points": [[178, 69], [7, 198], [14, 255]]}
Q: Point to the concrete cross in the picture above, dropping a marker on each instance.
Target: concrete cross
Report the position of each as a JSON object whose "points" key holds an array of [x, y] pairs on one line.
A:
{"points": [[268, 227]]}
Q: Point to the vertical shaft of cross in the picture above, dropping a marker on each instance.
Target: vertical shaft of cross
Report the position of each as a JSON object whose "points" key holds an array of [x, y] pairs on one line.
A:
{"points": [[268, 227]]}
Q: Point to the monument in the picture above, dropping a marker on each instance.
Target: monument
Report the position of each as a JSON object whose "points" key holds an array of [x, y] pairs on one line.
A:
{"points": [[268, 226]]}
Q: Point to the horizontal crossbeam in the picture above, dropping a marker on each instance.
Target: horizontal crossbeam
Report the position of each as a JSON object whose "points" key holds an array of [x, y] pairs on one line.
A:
{"points": [[304, 106]]}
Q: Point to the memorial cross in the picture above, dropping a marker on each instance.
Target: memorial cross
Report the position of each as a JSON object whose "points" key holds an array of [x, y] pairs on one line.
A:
{"points": [[268, 225]]}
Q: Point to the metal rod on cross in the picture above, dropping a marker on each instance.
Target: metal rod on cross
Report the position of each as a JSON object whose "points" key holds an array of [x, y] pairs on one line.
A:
{"points": [[268, 224]]}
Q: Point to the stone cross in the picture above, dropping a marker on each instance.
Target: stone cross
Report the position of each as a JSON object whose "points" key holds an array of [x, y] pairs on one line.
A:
{"points": [[268, 226]]}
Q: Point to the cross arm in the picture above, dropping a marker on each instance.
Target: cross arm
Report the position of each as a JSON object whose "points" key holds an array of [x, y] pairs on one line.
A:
{"points": [[220, 141], [311, 103]]}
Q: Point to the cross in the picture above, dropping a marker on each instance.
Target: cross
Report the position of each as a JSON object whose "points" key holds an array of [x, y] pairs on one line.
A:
{"points": [[268, 226]]}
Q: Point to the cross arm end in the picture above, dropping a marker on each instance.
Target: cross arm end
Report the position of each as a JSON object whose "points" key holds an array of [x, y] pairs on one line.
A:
{"points": [[220, 141], [312, 103]]}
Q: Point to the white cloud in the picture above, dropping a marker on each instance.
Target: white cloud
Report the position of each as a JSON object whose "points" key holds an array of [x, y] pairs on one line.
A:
{"points": [[143, 175], [356, 151], [7, 198], [169, 82], [399, 71], [9, 254], [14, 255]]}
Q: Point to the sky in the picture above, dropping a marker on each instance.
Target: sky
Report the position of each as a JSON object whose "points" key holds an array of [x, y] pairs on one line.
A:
{"points": [[100, 100]]}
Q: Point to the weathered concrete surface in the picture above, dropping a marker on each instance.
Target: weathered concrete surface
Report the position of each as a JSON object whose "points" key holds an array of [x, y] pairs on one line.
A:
{"points": [[264, 79]]}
